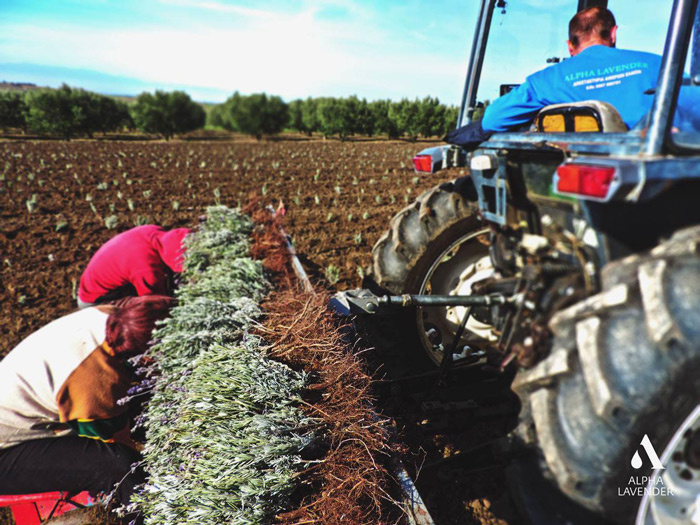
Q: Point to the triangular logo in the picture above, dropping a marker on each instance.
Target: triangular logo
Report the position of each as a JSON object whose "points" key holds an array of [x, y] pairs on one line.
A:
{"points": [[653, 457]]}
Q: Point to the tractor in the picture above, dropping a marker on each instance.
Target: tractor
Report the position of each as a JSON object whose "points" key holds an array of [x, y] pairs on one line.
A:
{"points": [[568, 258]]}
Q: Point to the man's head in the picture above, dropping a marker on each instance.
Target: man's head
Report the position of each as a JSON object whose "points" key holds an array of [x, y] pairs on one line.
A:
{"points": [[590, 27]]}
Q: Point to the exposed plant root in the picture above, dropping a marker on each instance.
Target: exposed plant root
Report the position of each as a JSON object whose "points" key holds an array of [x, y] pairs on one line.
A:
{"points": [[268, 244], [349, 483]]}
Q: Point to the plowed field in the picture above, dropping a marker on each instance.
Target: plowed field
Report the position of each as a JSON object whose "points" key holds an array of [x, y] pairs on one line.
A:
{"points": [[58, 198]]}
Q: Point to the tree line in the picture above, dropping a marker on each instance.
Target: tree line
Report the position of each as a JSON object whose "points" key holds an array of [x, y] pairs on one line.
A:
{"points": [[65, 112], [261, 114], [69, 112]]}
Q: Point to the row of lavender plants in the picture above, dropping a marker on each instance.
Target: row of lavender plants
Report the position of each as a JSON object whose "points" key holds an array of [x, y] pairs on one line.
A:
{"points": [[224, 433]]}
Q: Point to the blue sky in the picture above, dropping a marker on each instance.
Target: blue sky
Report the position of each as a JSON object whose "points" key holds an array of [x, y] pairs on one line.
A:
{"points": [[293, 48]]}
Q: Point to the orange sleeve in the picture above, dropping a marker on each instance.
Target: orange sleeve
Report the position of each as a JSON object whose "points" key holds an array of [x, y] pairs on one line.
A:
{"points": [[92, 390]]}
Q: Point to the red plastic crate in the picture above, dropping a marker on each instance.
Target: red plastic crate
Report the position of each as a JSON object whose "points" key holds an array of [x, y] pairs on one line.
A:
{"points": [[33, 509]]}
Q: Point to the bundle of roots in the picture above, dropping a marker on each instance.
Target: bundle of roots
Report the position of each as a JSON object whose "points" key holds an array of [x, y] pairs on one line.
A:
{"points": [[349, 482]]}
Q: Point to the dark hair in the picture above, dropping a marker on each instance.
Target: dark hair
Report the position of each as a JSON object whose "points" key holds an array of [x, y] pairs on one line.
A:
{"points": [[594, 21], [129, 327]]}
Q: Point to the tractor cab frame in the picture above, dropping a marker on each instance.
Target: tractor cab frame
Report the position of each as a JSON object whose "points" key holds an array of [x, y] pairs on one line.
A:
{"points": [[578, 172]]}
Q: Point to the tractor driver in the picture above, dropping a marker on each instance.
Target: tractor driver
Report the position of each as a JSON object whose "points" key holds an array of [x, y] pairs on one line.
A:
{"points": [[592, 38]]}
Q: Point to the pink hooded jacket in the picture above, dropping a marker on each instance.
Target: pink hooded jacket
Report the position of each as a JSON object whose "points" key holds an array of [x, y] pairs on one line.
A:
{"points": [[140, 257]]}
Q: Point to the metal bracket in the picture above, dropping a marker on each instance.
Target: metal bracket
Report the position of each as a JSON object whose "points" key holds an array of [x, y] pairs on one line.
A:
{"points": [[489, 177]]}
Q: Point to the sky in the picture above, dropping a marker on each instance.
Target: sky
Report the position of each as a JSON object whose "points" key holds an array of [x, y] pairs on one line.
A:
{"points": [[292, 48]]}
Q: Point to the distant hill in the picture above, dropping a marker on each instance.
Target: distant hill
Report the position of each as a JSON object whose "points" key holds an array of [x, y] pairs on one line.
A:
{"points": [[41, 75], [128, 99], [18, 86]]}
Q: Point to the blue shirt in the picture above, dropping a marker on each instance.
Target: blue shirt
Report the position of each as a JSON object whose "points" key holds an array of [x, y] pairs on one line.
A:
{"points": [[617, 76]]}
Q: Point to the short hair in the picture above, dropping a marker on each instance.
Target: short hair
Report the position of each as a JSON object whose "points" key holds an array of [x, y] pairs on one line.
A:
{"points": [[592, 22], [129, 327]]}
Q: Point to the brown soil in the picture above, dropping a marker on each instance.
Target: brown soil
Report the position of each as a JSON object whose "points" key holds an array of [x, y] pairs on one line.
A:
{"points": [[339, 195]]}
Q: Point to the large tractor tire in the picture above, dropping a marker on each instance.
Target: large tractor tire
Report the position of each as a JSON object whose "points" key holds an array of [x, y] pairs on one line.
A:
{"points": [[427, 249], [625, 363]]}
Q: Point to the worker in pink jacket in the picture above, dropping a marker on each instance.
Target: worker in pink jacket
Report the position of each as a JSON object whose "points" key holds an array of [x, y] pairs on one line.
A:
{"points": [[140, 261]]}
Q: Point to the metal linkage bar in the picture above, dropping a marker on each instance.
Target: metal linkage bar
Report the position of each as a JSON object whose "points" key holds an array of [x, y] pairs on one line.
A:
{"points": [[442, 300], [361, 302]]}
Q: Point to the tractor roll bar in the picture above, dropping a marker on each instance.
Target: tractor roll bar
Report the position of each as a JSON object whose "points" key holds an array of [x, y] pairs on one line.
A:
{"points": [[671, 75], [695, 53], [476, 60]]}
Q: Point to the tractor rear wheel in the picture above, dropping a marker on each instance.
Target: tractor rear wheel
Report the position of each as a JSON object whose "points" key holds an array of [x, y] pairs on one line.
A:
{"points": [[437, 245], [623, 373]]}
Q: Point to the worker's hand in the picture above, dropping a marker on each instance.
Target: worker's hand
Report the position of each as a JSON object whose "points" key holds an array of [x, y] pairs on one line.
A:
{"points": [[469, 136]]}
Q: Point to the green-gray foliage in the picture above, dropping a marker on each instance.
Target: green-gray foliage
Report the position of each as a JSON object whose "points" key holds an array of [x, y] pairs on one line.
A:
{"points": [[111, 222], [216, 117], [451, 117], [309, 115], [51, 112], [69, 112], [257, 114], [167, 113], [431, 117], [296, 120], [12, 110], [406, 114], [383, 124], [335, 117], [223, 430], [341, 117]]}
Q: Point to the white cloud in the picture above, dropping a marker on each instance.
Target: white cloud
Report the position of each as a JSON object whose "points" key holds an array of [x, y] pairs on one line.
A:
{"points": [[219, 7], [295, 55]]}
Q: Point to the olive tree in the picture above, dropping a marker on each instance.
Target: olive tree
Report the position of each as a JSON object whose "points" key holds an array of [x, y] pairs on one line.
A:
{"points": [[431, 117], [384, 124], [167, 113], [309, 115], [296, 120], [52, 112], [450, 119], [405, 114], [12, 110], [257, 114]]}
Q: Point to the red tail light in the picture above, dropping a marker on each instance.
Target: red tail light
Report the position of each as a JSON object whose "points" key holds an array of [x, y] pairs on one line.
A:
{"points": [[593, 181], [423, 163]]}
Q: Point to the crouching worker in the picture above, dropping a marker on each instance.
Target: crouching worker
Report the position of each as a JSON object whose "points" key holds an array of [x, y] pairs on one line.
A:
{"points": [[61, 426], [140, 261]]}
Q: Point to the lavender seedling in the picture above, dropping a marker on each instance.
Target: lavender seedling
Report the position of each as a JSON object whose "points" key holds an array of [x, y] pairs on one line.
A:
{"points": [[31, 203], [111, 222], [332, 274]]}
